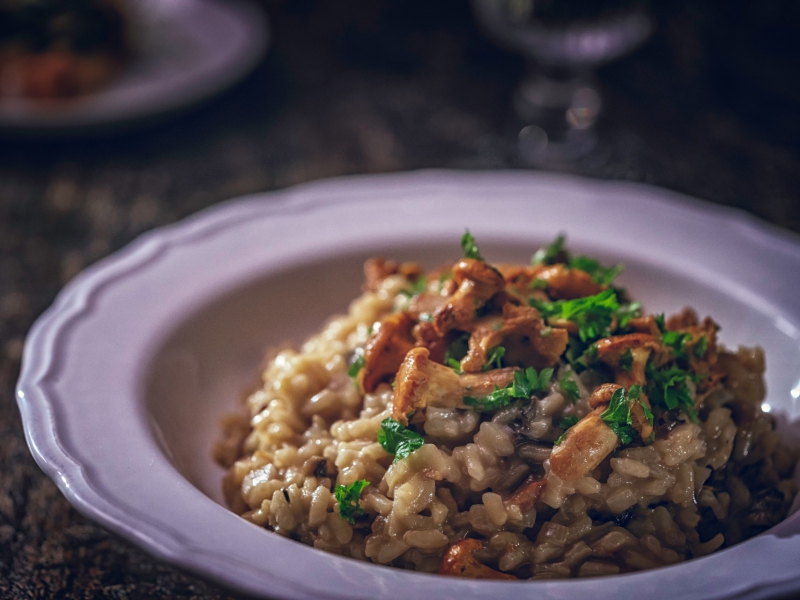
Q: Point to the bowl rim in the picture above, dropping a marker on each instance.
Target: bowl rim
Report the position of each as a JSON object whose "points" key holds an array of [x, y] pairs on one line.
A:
{"points": [[56, 453]]}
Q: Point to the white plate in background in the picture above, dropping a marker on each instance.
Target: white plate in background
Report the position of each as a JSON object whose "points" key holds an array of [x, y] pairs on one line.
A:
{"points": [[185, 51], [125, 376]]}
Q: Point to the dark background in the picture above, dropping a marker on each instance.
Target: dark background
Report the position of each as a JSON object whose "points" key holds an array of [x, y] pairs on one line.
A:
{"points": [[709, 107]]}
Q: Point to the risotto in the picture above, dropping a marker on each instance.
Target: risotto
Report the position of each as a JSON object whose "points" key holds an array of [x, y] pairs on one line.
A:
{"points": [[509, 422]]}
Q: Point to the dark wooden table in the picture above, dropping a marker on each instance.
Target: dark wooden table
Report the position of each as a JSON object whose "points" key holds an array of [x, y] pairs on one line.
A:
{"points": [[709, 107]]}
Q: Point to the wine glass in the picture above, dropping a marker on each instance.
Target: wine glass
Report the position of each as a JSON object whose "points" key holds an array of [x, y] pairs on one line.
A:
{"points": [[564, 41]]}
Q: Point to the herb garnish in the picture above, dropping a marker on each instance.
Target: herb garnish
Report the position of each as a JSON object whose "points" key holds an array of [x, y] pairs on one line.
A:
{"points": [[599, 274], [566, 423], [495, 358], [549, 254], [568, 387], [701, 347], [357, 364], [348, 497], [618, 414], [627, 312], [398, 440], [454, 364], [668, 388], [659, 319], [677, 341], [455, 351], [419, 285], [593, 314], [469, 246], [526, 384]]}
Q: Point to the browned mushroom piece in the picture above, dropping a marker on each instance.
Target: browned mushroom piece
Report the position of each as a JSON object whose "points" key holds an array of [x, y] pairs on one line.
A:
{"points": [[422, 382], [585, 446], [602, 394], [613, 351], [477, 283], [644, 325], [385, 350], [460, 561], [686, 318], [566, 283], [378, 269], [527, 339], [527, 493]]}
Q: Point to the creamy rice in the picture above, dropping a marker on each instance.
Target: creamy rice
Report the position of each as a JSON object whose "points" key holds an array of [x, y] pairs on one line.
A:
{"points": [[481, 496]]}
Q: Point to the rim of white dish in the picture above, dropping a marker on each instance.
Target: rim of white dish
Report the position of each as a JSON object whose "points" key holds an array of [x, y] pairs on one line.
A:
{"points": [[120, 102], [43, 401]]}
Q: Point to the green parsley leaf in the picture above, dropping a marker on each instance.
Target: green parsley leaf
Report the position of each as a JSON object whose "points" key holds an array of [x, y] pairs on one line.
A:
{"points": [[469, 246], [457, 349], [593, 314], [677, 341], [618, 414], [701, 347], [662, 327], [568, 387], [599, 274], [567, 422], [495, 358], [626, 360], [357, 364], [398, 440], [549, 254], [525, 384], [348, 497], [538, 284], [419, 285], [455, 365], [668, 388], [627, 312]]}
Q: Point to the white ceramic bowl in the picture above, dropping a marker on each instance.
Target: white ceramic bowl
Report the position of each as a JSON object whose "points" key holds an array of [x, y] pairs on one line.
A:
{"points": [[125, 376]]}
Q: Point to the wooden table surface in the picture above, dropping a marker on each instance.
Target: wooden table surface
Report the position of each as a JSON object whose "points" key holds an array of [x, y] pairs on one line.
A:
{"points": [[708, 107]]}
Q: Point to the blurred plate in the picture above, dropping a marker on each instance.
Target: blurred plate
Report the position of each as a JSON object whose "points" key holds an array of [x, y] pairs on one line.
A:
{"points": [[186, 51]]}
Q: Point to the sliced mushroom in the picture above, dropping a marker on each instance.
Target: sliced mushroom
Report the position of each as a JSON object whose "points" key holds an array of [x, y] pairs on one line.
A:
{"points": [[585, 446], [477, 283], [527, 340], [422, 382], [460, 561], [566, 283], [385, 350], [612, 351], [645, 325], [601, 396], [528, 492], [378, 269]]}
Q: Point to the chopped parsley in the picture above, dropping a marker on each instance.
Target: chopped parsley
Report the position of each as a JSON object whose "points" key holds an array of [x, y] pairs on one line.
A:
{"points": [[626, 360], [357, 364], [618, 414], [457, 349], [398, 440], [627, 312], [599, 274], [593, 314], [469, 246], [677, 340], [549, 254], [668, 388], [495, 358], [419, 285], [701, 347], [538, 284], [568, 387], [455, 365], [659, 319], [526, 384], [566, 423], [348, 496]]}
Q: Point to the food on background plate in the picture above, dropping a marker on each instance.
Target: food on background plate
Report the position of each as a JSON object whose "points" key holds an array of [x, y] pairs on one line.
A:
{"points": [[55, 49], [510, 422]]}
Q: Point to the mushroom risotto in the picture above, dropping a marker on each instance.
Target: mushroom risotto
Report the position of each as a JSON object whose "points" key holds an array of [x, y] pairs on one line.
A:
{"points": [[509, 422]]}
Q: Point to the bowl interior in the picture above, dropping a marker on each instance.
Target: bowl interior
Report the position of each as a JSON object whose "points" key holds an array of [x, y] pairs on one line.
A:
{"points": [[205, 367]]}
